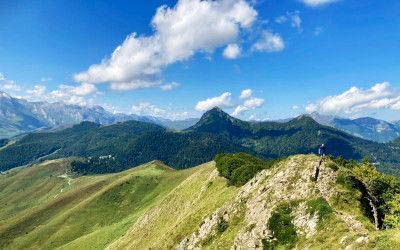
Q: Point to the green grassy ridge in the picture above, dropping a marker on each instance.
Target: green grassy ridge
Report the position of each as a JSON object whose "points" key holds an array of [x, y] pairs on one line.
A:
{"points": [[94, 205], [22, 189], [150, 206], [180, 212]]}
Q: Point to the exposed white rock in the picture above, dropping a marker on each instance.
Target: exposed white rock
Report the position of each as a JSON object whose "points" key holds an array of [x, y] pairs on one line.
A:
{"points": [[290, 181]]}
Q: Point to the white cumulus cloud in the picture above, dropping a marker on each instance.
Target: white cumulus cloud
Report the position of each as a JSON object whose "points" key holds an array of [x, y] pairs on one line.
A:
{"points": [[38, 91], [189, 27], [316, 3], [76, 95], [293, 17], [10, 86], [249, 104], [146, 108], [169, 86], [246, 93], [296, 21], [149, 109], [295, 107], [222, 101], [354, 100], [269, 42], [232, 51]]}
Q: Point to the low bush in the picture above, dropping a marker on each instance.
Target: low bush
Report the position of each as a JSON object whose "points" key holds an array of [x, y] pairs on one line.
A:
{"points": [[222, 225], [332, 166], [340, 161], [282, 228], [240, 167], [321, 207]]}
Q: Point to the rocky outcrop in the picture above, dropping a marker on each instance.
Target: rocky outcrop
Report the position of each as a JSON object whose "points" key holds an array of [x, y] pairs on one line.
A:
{"points": [[289, 182]]}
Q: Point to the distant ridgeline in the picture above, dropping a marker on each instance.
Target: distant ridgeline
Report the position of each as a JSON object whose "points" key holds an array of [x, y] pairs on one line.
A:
{"points": [[117, 147]]}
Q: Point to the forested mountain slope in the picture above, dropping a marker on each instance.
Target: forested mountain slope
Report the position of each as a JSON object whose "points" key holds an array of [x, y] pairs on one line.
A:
{"points": [[105, 149], [299, 135]]}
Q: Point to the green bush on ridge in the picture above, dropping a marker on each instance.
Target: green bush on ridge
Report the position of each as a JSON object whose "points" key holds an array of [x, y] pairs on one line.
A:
{"points": [[282, 228], [239, 168]]}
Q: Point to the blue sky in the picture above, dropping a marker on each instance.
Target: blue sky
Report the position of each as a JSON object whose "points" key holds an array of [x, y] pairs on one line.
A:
{"points": [[335, 57]]}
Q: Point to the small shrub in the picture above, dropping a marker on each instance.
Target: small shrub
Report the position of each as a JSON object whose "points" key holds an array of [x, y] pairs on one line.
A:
{"points": [[222, 225], [282, 228], [268, 244], [340, 161], [332, 166], [320, 206]]}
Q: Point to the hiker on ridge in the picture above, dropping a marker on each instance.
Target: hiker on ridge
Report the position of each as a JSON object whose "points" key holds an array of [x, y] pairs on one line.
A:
{"points": [[321, 153], [322, 150]]}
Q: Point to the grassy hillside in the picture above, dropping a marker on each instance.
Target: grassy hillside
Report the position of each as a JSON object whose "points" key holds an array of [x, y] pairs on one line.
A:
{"points": [[45, 206], [313, 216], [153, 206]]}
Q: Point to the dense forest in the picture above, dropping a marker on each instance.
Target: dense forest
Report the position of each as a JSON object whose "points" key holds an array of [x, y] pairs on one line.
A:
{"points": [[132, 143], [301, 135]]}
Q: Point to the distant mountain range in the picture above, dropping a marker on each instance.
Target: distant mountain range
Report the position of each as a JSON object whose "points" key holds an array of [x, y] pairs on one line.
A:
{"points": [[365, 127], [19, 116], [117, 147]]}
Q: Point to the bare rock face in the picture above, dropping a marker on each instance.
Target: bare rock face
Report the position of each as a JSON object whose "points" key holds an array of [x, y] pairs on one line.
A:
{"points": [[305, 223], [288, 182]]}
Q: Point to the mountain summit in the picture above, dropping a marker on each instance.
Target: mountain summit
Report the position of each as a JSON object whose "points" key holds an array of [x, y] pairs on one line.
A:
{"points": [[218, 121], [133, 143]]}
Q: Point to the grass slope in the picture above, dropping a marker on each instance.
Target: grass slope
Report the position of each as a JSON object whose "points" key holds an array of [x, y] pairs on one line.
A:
{"points": [[155, 207], [180, 212], [41, 210]]}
